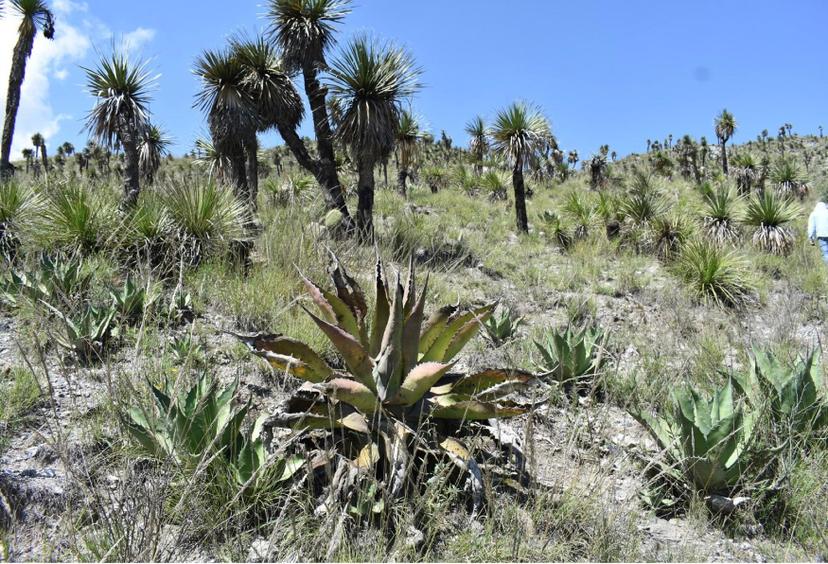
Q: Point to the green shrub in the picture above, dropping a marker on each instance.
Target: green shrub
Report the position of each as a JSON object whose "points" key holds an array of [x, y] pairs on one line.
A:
{"points": [[770, 215], [715, 274]]}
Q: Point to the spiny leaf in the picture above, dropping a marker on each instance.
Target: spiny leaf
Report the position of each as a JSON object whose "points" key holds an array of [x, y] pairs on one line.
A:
{"points": [[419, 381], [290, 355], [352, 392], [355, 357], [382, 311], [387, 371]]}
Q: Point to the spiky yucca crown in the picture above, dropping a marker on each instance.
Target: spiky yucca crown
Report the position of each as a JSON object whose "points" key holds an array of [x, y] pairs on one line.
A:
{"points": [[396, 360]]}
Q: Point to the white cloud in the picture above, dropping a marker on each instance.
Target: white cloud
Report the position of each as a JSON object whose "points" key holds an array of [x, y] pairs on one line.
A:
{"points": [[64, 7], [48, 58], [134, 40]]}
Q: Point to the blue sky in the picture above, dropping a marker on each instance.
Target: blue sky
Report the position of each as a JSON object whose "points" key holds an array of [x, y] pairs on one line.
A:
{"points": [[603, 72]]}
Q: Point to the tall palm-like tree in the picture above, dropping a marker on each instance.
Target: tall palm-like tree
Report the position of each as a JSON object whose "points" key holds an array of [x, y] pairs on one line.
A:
{"points": [[39, 144], [407, 138], [231, 111], [153, 146], [35, 14], [271, 90], [572, 158], [28, 155], [725, 127], [304, 31], [519, 132], [478, 142], [373, 80], [121, 88]]}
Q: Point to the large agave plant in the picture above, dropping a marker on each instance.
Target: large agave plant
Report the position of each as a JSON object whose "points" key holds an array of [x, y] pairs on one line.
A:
{"points": [[796, 393], [705, 440], [397, 389]]}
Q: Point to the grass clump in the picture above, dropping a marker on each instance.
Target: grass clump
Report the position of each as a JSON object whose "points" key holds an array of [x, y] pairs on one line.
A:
{"points": [[715, 275]]}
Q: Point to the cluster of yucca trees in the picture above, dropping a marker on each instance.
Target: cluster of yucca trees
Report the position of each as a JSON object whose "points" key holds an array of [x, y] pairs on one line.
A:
{"points": [[356, 100]]}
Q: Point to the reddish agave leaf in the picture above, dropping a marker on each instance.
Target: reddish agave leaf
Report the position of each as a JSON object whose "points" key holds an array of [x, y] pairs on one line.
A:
{"points": [[486, 381], [419, 380], [463, 407], [318, 297], [435, 326], [355, 357], [411, 332], [468, 330], [290, 355], [303, 413], [353, 393], [410, 288], [456, 333], [350, 292], [387, 376], [381, 312]]}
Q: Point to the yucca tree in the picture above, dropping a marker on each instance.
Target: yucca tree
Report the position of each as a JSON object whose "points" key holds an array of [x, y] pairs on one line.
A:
{"points": [[232, 114], [121, 88], [725, 127], [28, 155], [271, 90], [478, 142], [153, 146], [304, 31], [407, 139], [519, 132], [373, 80], [572, 158], [39, 143], [68, 148], [35, 15]]}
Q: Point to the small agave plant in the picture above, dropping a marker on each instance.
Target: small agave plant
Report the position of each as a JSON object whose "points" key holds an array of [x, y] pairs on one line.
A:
{"points": [[132, 300], [200, 422], [573, 358], [397, 392], [502, 326], [706, 442], [797, 395], [88, 333]]}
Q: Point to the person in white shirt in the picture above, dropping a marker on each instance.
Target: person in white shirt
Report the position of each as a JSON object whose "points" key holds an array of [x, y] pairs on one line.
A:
{"points": [[818, 227]]}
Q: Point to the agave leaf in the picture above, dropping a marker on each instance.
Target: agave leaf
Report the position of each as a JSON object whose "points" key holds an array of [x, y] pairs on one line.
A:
{"points": [[488, 381], [289, 355], [355, 357], [463, 407], [435, 326], [368, 456], [468, 330], [410, 289], [331, 305], [351, 294], [382, 311], [418, 381], [353, 393], [316, 294], [411, 330], [387, 370], [151, 439]]}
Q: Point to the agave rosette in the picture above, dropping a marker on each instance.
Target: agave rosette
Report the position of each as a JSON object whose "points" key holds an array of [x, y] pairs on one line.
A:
{"points": [[397, 361]]}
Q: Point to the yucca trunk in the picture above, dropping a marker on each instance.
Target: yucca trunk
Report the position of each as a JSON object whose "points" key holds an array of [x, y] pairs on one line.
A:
{"points": [[402, 177], [326, 174], [520, 197], [724, 157], [132, 187], [365, 205], [22, 50], [44, 158], [251, 149]]}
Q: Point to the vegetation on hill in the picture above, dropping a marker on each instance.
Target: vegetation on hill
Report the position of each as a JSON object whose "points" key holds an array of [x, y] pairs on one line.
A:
{"points": [[627, 365]]}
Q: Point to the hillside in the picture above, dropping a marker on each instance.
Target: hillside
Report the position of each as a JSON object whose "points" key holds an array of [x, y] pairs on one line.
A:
{"points": [[622, 258]]}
